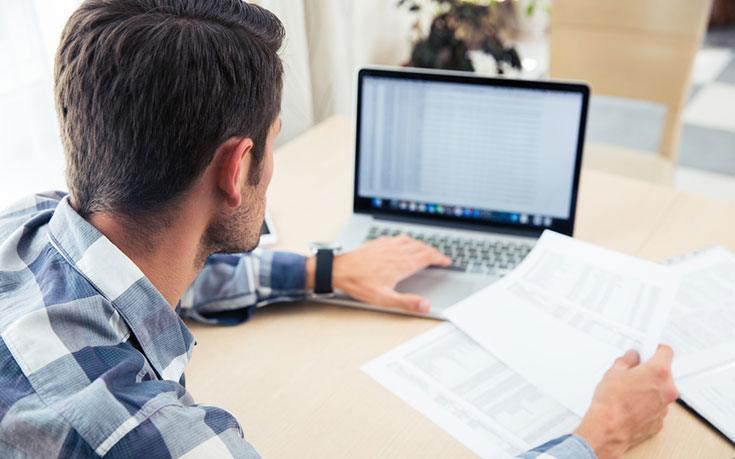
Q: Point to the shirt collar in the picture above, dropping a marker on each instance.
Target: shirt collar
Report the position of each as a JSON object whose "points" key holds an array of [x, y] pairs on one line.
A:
{"points": [[163, 336]]}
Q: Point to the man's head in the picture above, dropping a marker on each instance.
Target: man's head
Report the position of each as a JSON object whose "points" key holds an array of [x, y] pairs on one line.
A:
{"points": [[150, 94]]}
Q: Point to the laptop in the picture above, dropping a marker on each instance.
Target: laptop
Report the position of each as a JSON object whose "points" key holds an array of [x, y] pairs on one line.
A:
{"points": [[477, 167]]}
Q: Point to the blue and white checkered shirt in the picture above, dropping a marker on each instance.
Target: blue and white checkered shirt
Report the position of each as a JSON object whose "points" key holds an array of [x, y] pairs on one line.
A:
{"points": [[92, 357]]}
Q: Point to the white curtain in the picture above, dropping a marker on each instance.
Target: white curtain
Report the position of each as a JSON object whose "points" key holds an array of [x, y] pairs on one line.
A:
{"points": [[31, 158], [326, 40]]}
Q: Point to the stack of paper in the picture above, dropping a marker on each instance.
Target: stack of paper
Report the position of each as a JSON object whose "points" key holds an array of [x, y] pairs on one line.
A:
{"points": [[523, 356], [468, 392], [567, 312], [701, 330]]}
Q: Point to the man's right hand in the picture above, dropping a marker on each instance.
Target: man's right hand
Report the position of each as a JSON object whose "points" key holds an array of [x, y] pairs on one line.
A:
{"points": [[629, 404]]}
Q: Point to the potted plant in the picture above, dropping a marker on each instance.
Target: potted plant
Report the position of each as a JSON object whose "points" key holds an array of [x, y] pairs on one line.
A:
{"points": [[462, 32]]}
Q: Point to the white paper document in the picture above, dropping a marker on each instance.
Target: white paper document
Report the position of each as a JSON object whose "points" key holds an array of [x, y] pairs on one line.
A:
{"points": [[712, 395], [471, 394], [701, 328], [562, 317]]}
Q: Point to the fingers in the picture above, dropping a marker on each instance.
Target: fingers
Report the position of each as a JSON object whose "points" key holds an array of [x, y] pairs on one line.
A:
{"points": [[428, 256], [672, 393], [660, 366], [663, 356], [404, 239], [423, 255], [669, 392], [439, 259], [628, 360], [405, 301]]}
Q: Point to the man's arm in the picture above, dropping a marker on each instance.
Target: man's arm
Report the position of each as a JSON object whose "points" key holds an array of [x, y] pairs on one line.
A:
{"points": [[178, 430], [565, 447], [629, 406], [630, 403], [230, 286]]}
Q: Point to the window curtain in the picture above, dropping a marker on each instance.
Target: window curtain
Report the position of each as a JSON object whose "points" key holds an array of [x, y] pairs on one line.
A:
{"points": [[326, 41]]}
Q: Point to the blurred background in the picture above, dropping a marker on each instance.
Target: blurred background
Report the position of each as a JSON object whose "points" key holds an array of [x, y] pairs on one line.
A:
{"points": [[662, 74]]}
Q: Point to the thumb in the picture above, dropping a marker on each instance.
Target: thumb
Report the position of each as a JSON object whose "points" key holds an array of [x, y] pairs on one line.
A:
{"points": [[628, 360], [663, 356], [406, 301]]}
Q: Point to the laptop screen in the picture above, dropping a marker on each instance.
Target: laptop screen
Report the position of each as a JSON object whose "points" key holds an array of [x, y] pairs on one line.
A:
{"points": [[476, 149]]}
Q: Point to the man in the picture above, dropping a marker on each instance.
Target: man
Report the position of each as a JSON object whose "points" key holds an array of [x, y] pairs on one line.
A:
{"points": [[168, 111]]}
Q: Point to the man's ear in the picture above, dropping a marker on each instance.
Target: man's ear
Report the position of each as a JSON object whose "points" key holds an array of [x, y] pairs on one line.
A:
{"points": [[234, 161]]}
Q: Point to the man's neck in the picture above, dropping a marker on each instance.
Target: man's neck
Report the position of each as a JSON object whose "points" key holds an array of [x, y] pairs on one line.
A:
{"points": [[170, 256]]}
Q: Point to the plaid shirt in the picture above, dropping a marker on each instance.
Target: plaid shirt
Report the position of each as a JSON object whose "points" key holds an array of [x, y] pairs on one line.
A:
{"points": [[92, 357]]}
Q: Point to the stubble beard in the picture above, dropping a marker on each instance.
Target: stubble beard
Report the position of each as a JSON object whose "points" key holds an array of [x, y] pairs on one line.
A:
{"points": [[237, 233]]}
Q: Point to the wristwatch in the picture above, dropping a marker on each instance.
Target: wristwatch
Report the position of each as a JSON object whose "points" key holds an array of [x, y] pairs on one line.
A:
{"points": [[324, 253]]}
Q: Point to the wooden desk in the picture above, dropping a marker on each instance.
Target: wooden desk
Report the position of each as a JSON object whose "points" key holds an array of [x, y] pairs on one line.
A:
{"points": [[296, 384]]}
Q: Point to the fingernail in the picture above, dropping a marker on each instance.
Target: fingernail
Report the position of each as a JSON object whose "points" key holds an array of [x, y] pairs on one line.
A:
{"points": [[424, 306]]}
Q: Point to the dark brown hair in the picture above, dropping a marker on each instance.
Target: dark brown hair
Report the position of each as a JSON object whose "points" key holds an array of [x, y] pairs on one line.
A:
{"points": [[146, 90]]}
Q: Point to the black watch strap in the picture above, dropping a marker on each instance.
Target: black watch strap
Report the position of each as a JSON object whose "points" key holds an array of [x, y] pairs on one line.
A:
{"points": [[323, 276]]}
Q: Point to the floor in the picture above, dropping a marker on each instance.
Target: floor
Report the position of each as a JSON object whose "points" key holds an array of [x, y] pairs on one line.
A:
{"points": [[707, 150], [707, 155], [708, 136]]}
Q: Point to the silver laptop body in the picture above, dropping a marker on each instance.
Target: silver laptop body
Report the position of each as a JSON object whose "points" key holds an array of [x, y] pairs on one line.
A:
{"points": [[477, 167]]}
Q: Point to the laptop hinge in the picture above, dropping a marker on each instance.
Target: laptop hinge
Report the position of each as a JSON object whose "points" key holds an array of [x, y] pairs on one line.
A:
{"points": [[522, 232]]}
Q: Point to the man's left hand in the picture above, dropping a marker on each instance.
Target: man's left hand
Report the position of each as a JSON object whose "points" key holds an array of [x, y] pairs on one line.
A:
{"points": [[371, 272]]}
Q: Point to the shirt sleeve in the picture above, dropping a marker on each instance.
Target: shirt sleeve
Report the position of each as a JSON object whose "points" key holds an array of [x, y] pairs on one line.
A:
{"points": [[184, 431], [564, 447], [231, 286]]}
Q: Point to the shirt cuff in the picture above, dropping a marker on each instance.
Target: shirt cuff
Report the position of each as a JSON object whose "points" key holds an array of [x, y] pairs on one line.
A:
{"points": [[565, 447], [283, 273]]}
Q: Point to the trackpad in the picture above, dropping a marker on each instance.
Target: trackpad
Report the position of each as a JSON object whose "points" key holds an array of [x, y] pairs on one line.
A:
{"points": [[443, 288]]}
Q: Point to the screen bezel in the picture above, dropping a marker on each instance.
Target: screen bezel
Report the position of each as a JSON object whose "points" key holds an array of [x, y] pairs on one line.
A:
{"points": [[363, 204]]}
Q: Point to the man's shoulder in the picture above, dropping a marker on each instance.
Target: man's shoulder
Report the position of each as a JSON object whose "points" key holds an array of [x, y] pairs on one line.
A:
{"points": [[73, 376], [83, 388], [60, 343], [73, 379], [53, 321], [25, 208], [23, 228], [35, 278]]}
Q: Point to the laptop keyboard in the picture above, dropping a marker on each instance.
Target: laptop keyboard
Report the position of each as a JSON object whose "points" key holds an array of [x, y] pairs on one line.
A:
{"points": [[495, 257]]}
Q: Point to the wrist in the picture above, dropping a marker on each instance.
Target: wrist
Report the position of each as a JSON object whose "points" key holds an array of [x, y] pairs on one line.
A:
{"points": [[320, 268], [603, 434], [339, 276]]}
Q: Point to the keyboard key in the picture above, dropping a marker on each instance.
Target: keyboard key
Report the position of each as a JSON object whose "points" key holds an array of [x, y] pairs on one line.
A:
{"points": [[473, 255]]}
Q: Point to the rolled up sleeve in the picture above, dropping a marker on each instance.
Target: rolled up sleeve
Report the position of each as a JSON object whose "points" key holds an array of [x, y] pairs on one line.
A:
{"points": [[231, 286], [564, 447]]}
